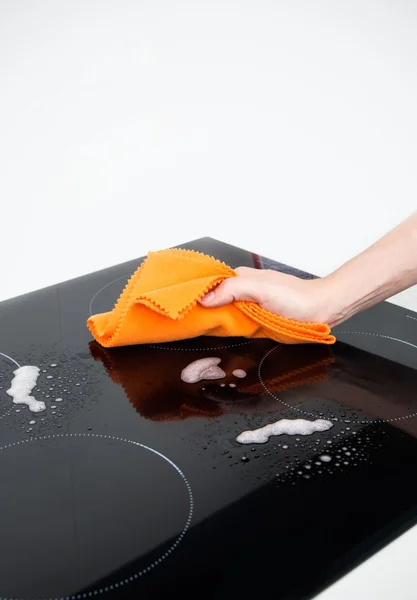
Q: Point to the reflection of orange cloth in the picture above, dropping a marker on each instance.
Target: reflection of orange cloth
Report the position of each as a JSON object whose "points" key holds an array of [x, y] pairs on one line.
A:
{"points": [[160, 304], [288, 368], [151, 377]]}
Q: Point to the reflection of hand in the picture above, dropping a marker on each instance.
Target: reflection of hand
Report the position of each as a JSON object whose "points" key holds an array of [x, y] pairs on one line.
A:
{"points": [[285, 295]]}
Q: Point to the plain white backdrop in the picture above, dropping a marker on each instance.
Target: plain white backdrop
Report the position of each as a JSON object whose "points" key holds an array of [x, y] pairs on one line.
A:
{"points": [[288, 127], [285, 127]]}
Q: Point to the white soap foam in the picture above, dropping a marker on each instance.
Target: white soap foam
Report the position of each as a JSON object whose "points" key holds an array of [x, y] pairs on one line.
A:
{"points": [[203, 368], [283, 427], [240, 373], [23, 382]]}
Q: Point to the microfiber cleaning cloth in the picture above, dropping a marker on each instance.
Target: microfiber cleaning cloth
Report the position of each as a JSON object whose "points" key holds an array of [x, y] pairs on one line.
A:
{"points": [[160, 304]]}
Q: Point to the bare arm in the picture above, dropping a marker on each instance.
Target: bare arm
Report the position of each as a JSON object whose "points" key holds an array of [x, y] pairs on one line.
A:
{"points": [[386, 268], [383, 270]]}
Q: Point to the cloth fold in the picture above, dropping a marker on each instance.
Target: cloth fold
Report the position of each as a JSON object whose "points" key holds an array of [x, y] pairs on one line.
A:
{"points": [[160, 304]]}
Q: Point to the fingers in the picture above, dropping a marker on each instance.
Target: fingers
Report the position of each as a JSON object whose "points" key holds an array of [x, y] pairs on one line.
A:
{"points": [[235, 288]]}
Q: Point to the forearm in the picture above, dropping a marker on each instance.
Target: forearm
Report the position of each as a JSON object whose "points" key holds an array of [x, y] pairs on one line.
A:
{"points": [[386, 268]]}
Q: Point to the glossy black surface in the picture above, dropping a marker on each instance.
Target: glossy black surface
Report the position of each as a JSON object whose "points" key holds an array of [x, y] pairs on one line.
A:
{"points": [[131, 484]]}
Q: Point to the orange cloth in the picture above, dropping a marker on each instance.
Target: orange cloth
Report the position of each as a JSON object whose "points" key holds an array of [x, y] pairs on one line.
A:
{"points": [[160, 304], [151, 377]]}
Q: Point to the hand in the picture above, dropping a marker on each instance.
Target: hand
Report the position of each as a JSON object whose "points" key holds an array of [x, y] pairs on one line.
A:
{"points": [[285, 295]]}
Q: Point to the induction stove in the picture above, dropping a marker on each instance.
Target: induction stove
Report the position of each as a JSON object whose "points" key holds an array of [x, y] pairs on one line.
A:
{"points": [[131, 483]]}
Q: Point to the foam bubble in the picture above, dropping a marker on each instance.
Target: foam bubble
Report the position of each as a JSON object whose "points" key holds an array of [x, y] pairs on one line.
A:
{"points": [[283, 427], [203, 368], [23, 382], [240, 373]]}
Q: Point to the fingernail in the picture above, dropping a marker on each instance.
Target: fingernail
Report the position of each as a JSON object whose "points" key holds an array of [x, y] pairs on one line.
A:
{"points": [[207, 298]]}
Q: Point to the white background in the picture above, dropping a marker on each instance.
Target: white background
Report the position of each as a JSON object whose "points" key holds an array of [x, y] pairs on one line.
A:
{"points": [[285, 127]]}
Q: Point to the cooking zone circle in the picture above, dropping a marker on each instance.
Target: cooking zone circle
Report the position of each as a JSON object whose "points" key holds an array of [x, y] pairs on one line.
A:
{"points": [[390, 339], [85, 505]]}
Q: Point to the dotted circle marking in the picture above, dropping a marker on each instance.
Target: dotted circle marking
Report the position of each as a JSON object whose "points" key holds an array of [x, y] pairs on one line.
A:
{"points": [[135, 576], [314, 415], [9, 411], [90, 308], [10, 358]]}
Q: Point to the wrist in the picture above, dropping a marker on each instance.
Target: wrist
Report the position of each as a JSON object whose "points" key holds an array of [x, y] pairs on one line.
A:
{"points": [[332, 307]]}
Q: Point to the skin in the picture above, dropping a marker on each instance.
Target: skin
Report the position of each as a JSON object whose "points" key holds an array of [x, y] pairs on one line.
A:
{"points": [[384, 269]]}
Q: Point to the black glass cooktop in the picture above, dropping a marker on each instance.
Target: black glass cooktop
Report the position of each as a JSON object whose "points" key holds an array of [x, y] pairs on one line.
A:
{"points": [[131, 484]]}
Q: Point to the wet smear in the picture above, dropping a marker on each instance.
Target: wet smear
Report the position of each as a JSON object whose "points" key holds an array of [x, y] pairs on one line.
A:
{"points": [[23, 382], [240, 373], [203, 368], [283, 427]]}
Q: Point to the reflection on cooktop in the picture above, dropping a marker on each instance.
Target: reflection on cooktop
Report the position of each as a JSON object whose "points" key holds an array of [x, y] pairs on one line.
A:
{"points": [[151, 377], [132, 481]]}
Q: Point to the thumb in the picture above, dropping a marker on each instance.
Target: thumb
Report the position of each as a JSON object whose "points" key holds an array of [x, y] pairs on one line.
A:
{"points": [[235, 288]]}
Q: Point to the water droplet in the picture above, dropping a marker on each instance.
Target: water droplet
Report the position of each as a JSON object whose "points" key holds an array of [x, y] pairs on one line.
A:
{"points": [[54, 365], [32, 422], [285, 447], [58, 400], [325, 458], [49, 377], [244, 459]]}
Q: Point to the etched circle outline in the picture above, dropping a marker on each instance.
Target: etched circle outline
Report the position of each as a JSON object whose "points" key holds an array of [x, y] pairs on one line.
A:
{"points": [[310, 414], [8, 412], [139, 574]]}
